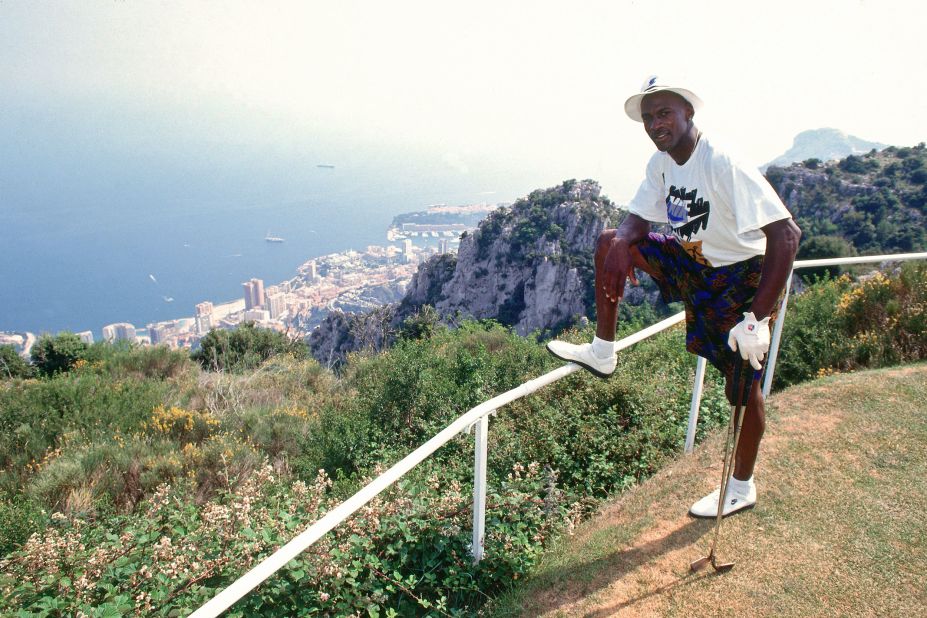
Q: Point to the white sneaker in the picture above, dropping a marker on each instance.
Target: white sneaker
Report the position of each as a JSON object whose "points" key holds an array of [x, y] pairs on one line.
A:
{"points": [[583, 356], [735, 501]]}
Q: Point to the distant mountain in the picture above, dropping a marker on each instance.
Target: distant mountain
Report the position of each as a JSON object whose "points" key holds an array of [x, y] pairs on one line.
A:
{"points": [[823, 144]]}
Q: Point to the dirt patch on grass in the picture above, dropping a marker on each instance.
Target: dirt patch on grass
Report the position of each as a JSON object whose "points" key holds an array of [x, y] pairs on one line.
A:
{"points": [[829, 536]]}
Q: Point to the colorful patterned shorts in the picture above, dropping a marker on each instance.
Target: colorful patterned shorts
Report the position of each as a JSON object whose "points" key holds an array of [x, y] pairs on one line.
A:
{"points": [[715, 298]]}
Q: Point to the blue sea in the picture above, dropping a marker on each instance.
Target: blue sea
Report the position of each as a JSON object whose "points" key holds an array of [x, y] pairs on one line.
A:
{"points": [[95, 233]]}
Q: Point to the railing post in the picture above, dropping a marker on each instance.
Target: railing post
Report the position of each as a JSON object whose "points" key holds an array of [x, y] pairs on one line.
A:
{"points": [[696, 402], [481, 437], [776, 338]]}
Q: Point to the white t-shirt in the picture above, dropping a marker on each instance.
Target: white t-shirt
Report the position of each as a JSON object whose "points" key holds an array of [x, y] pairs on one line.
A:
{"points": [[715, 205]]}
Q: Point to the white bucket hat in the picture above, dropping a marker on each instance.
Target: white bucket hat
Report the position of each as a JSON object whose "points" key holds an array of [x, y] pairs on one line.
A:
{"points": [[655, 83]]}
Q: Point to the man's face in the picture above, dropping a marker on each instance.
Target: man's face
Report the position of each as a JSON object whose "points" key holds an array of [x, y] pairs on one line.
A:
{"points": [[666, 117]]}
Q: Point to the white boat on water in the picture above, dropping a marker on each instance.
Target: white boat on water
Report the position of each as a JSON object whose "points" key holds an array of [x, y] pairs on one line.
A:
{"points": [[271, 238]]}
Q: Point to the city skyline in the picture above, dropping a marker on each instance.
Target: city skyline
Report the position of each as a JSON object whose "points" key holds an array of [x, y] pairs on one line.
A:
{"points": [[287, 306]]}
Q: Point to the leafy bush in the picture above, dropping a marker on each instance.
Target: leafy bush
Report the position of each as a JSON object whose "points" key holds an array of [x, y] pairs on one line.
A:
{"points": [[141, 362], [38, 415], [422, 324], [19, 519], [887, 317], [244, 348], [839, 324], [813, 338], [12, 365], [822, 247], [53, 354]]}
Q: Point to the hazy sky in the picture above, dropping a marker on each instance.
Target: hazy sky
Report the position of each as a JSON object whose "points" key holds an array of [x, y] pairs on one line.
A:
{"points": [[536, 85]]}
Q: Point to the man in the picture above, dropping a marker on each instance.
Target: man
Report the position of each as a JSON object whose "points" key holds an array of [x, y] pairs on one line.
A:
{"points": [[728, 258]]}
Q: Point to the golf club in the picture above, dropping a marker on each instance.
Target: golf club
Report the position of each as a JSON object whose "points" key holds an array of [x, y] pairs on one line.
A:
{"points": [[743, 378]]}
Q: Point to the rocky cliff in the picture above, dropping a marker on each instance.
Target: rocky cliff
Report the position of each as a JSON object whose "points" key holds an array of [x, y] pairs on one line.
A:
{"points": [[528, 266]]}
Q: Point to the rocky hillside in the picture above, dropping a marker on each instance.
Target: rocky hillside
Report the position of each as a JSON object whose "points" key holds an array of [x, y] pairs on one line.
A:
{"points": [[869, 204], [528, 266]]}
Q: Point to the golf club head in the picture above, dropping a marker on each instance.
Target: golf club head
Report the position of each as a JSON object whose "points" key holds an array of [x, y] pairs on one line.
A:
{"points": [[699, 564]]}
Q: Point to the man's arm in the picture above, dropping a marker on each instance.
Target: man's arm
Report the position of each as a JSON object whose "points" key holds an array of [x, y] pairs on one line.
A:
{"points": [[781, 246], [618, 261]]}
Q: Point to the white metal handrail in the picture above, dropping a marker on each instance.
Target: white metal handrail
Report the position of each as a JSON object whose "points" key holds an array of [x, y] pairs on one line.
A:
{"points": [[475, 416]]}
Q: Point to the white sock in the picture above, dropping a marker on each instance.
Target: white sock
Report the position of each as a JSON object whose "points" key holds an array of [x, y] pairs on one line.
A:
{"points": [[741, 487], [602, 348]]}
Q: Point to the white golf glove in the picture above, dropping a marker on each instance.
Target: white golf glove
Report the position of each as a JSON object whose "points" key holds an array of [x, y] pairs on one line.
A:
{"points": [[751, 337]]}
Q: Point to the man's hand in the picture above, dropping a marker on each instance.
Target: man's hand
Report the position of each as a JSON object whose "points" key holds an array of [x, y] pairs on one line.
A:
{"points": [[617, 269], [751, 337]]}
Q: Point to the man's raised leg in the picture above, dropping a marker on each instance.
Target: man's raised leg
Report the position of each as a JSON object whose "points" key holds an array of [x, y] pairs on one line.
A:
{"points": [[599, 356]]}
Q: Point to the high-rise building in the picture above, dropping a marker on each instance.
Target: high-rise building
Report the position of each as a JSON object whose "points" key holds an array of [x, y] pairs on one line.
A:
{"points": [[203, 320], [121, 331], [125, 332], [254, 293], [276, 305], [203, 324], [270, 290], [158, 333], [312, 271], [204, 308], [249, 294], [258, 292], [407, 255]]}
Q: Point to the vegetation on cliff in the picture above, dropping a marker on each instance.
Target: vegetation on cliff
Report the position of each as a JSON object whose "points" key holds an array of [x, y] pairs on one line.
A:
{"points": [[869, 204]]}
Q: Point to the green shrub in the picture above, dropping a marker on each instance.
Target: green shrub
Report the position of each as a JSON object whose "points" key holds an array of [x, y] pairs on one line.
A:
{"points": [[145, 362], [12, 365], [839, 324], [37, 414], [244, 348], [821, 247], [54, 354], [88, 479], [887, 317], [19, 518], [813, 337]]}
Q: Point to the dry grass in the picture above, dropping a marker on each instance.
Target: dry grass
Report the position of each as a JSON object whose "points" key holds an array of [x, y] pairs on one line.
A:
{"points": [[840, 528]]}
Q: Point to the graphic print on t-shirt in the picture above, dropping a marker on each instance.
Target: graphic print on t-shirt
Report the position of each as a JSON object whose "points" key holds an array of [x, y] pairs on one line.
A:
{"points": [[687, 213]]}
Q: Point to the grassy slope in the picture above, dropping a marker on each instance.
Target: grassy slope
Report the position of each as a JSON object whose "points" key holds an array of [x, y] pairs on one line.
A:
{"points": [[840, 528]]}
